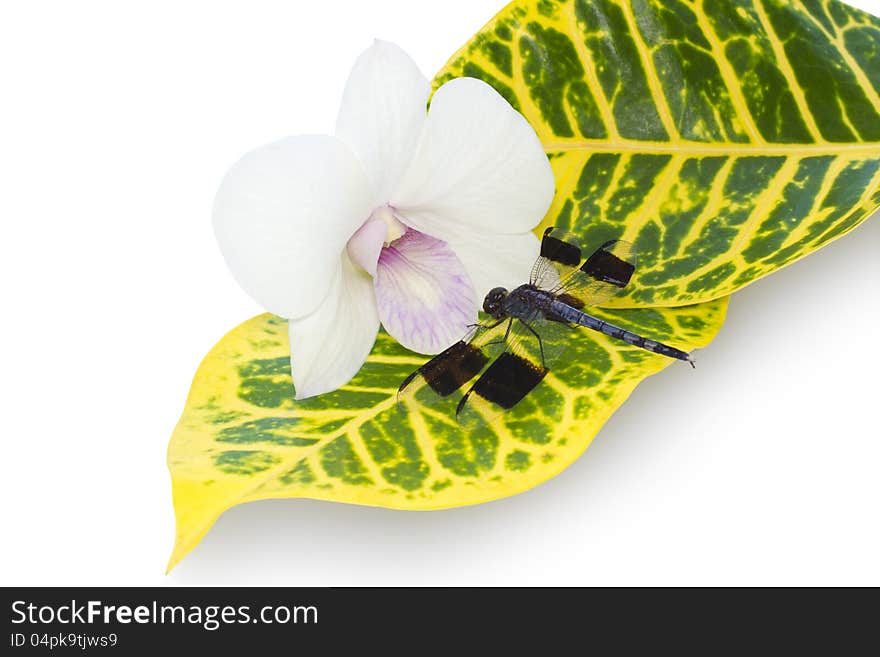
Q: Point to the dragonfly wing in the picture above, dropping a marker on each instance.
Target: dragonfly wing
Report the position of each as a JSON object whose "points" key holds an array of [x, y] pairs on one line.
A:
{"points": [[531, 350], [450, 370], [581, 283], [560, 257], [605, 274]]}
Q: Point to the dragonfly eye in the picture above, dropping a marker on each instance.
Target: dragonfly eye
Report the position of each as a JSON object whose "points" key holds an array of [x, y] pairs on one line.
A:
{"points": [[494, 300]]}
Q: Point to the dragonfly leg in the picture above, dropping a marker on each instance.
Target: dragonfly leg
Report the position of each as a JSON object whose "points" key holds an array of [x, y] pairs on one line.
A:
{"points": [[482, 327], [540, 341], [486, 327], [506, 333]]}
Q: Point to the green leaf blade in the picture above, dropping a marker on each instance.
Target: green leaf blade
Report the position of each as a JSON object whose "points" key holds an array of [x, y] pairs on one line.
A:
{"points": [[236, 443], [725, 139]]}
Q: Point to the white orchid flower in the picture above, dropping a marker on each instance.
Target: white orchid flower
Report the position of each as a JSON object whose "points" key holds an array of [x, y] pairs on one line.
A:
{"points": [[407, 217]]}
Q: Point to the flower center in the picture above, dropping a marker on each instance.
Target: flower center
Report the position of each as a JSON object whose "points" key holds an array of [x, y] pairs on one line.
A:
{"points": [[385, 214]]}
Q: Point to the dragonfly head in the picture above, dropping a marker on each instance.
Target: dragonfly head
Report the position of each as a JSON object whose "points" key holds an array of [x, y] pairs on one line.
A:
{"points": [[494, 301]]}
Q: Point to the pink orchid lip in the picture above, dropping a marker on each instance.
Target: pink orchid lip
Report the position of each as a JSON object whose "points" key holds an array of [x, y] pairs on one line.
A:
{"points": [[426, 299]]}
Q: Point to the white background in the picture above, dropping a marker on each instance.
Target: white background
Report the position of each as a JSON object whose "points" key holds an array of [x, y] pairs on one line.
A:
{"points": [[117, 121]]}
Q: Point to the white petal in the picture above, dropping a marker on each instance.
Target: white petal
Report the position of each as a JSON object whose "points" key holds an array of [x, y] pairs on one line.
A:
{"points": [[479, 163], [382, 114], [491, 260], [283, 215], [497, 260], [426, 300], [328, 347]]}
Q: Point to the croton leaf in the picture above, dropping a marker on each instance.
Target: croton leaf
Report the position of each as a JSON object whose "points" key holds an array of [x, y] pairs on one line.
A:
{"points": [[726, 139], [242, 437]]}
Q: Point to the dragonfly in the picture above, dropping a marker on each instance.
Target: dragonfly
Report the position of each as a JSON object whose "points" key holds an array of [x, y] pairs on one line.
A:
{"points": [[510, 354]]}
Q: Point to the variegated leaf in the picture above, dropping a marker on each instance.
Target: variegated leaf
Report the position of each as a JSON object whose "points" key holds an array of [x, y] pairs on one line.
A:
{"points": [[726, 139], [242, 437]]}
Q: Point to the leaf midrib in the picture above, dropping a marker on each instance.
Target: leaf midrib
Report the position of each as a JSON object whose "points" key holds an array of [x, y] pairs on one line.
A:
{"points": [[715, 148]]}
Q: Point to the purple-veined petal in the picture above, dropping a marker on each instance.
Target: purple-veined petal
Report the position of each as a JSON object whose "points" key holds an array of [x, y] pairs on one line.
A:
{"points": [[491, 260], [283, 215], [479, 164], [382, 113], [328, 347], [425, 297]]}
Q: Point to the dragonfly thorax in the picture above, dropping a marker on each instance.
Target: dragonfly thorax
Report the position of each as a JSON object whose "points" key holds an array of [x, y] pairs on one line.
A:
{"points": [[527, 302]]}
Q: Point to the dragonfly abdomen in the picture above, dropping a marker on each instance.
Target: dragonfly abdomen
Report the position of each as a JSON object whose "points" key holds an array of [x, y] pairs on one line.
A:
{"points": [[575, 316]]}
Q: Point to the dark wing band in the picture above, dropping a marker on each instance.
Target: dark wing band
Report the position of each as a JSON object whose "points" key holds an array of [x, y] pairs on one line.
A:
{"points": [[612, 263], [450, 370], [507, 381], [566, 253]]}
